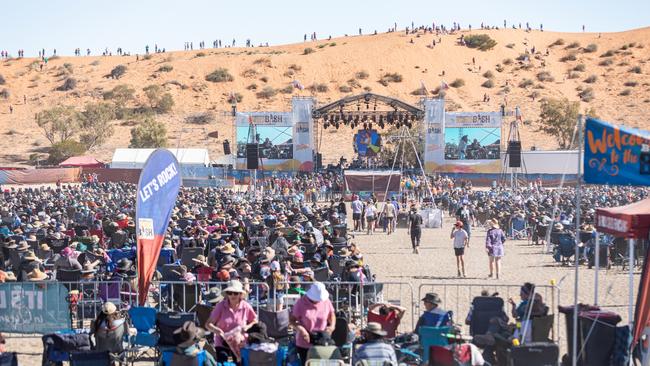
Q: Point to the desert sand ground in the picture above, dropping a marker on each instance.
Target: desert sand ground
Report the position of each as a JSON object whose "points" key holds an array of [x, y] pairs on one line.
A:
{"points": [[434, 269], [621, 93]]}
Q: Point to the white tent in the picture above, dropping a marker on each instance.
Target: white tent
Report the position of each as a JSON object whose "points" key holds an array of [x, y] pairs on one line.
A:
{"points": [[135, 158]]}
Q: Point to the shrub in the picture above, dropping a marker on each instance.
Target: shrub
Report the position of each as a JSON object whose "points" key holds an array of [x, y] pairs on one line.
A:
{"points": [[591, 48], [149, 134], [307, 51], [624, 63], [95, 63], [631, 84], [587, 95], [591, 79], [147, 56], [264, 79], [573, 75], [419, 91], [264, 61], [63, 150], [252, 87], [288, 74], [390, 78], [558, 42], [295, 67], [353, 83], [569, 57], [5, 94], [68, 84], [580, 67], [319, 88], [322, 45], [481, 41], [367, 88], [287, 89], [458, 83], [609, 53], [266, 93], [572, 45], [235, 98], [636, 69], [332, 44], [165, 68], [2, 80], [488, 74], [219, 75], [200, 118], [118, 71], [606, 62], [200, 54], [345, 89], [249, 73], [165, 104], [499, 68], [510, 45], [507, 61], [534, 95], [545, 76], [526, 83], [361, 75], [625, 92], [488, 83]]}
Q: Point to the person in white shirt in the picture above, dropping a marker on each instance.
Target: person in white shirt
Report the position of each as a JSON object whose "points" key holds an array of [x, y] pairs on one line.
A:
{"points": [[461, 241], [371, 215], [357, 207], [389, 215]]}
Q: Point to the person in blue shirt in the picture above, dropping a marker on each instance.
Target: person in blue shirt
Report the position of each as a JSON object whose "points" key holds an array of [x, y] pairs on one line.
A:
{"points": [[433, 315]]}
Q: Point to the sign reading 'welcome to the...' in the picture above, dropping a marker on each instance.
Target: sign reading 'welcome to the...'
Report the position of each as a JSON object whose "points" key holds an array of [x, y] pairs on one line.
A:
{"points": [[33, 307]]}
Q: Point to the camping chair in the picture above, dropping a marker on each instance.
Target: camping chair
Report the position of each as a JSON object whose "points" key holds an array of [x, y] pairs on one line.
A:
{"points": [[167, 323], [321, 274], [112, 340], [172, 358], [9, 359], [190, 253], [340, 336], [166, 257], [185, 296], [484, 308], [541, 328], [540, 230], [565, 248], [251, 357], [57, 245], [203, 314], [143, 320], [518, 228], [319, 362], [70, 277], [277, 323], [372, 293], [337, 267], [432, 336], [444, 356], [90, 358]]}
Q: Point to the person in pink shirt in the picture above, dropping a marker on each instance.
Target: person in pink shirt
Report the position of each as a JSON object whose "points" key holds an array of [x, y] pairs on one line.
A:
{"points": [[231, 315], [312, 313]]}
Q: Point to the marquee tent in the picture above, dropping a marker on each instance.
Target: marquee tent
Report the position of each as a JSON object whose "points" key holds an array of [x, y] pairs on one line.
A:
{"points": [[135, 158], [81, 161]]}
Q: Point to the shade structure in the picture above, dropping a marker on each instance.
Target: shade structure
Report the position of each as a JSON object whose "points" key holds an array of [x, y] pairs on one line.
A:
{"points": [[82, 161], [629, 221]]}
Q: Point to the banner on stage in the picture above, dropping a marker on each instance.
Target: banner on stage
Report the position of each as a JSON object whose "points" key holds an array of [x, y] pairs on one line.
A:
{"points": [[616, 155]]}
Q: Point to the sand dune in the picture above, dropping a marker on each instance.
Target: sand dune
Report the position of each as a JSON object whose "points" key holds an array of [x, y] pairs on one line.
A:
{"points": [[334, 63]]}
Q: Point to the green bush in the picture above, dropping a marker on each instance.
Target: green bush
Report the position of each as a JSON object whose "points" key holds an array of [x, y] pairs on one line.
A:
{"points": [[308, 50], [68, 84], [253, 86], [390, 78], [507, 61], [545, 76], [264, 79], [419, 92], [202, 118], [200, 54], [573, 45], [63, 150], [580, 67], [287, 89], [481, 41], [5, 93], [569, 57], [2, 80], [510, 45], [573, 75], [458, 83], [606, 62], [68, 68], [165, 104], [118, 71], [609, 53], [488, 74], [147, 56], [345, 89], [591, 79], [558, 42], [361, 75], [295, 67], [219, 75], [591, 48], [526, 83], [625, 92], [319, 88], [149, 134], [587, 95], [266, 93], [499, 68], [636, 69], [488, 83], [165, 68]]}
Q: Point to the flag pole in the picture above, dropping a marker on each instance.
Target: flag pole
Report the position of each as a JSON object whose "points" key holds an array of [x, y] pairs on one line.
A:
{"points": [[574, 336]]}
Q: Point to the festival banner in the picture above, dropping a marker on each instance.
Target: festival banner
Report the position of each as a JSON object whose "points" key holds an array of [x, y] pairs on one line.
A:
{"points": [[158, 187], [41, 307], [616, 155]]}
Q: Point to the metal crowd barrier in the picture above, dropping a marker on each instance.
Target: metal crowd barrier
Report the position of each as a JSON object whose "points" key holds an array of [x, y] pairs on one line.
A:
{"points": [[458, 298]]}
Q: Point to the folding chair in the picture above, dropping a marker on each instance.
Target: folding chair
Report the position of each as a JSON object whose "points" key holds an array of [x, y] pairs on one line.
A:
{"points": [[190, 253], [484, 308], [259, 358], [202, 314], [541, 328], [431, 336], [90, 358], [518, 228], [444, 356], [176, 359], [321, 274], [277, 323], [167, 323], [70, 277], [143, 320]]}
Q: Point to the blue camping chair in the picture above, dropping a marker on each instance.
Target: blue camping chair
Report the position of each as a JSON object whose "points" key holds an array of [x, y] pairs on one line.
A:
{"points": [[170, 357], [565, 248], [91, 358], [117, 254], [144, 321], [518, 228], [432, 336]]}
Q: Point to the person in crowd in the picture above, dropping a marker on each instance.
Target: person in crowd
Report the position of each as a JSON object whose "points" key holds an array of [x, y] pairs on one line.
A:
{"points": [[370, 215], [414, 225], [494, 241], [433, 316], [357, 208], [388, 315], [374, 348], [109, 328], [312, 313], [323, 348], [528, 308], [229, 319], [389, 213], [461, 241], [190, 336]]}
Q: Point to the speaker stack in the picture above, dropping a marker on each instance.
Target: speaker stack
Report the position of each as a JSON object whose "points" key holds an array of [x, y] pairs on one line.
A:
{"points": [[252, 156], [226, 147], [514, 154]]}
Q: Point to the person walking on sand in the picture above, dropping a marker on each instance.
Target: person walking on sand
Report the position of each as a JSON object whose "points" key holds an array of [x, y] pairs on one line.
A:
{"points": [[414, 225], [389, 215], [461, 241], [494, 241]]}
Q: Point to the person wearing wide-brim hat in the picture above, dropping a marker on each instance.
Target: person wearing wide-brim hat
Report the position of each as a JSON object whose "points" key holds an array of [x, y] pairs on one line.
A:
{"points": [[22, 246], [7, 276], [313, 312], [213, 296], [228, 314], [227, 249], [11, 244], [37, 275], [494, 240], [124, 268], [374, 349], [433, 315]]}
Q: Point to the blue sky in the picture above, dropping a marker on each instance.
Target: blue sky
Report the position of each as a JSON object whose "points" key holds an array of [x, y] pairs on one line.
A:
{"points": [[132, 24], [485, 136]]}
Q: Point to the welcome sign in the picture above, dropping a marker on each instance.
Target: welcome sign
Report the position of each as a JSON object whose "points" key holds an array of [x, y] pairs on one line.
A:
{"points": [[616, 155]]}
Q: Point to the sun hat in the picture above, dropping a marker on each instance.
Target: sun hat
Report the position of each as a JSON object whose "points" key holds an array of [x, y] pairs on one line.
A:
{"points": [[214, 295], [36, 275], [375, 328], [200, 259], [109, 308], [275, 266], [234, 286], [31, 256], [317, 292], [188, 334], [65, 252], [432, 297], [23, 246], [494, 224], [227, 249]]}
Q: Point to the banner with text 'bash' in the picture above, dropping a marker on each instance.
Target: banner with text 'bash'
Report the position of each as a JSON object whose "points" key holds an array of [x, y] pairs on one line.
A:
{"points": [[158, 187]]}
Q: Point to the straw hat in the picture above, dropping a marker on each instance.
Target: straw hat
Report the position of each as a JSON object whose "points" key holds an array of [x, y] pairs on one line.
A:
{"points": [[375, 328], [188, 334], [109, 308], [23, 246], [36, 275], [214, 295], [227, 249], [31, 256], [200, 259], [494, 223], [45, 247], [234, 286]]}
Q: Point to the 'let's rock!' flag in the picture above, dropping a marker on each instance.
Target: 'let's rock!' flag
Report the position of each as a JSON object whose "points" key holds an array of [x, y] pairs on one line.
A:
{"points": [[616, 155], [158, 187]]}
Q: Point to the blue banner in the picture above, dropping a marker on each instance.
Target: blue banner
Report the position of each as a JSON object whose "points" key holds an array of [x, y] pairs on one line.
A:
{"points": [[616, 155], [160, 180], [34, 307]]}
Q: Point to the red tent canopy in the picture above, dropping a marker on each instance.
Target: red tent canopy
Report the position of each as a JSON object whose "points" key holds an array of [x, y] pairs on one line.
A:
{"points": [[629, 221], [82, 161]]}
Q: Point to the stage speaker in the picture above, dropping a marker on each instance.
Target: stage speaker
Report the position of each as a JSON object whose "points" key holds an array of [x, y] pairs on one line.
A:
{"points": [[252, 156], [534, 354], [319, 161], [514, 154], [226, 147]]}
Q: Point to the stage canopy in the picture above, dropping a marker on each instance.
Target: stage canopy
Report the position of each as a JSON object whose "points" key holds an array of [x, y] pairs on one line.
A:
{"points": [[135, 158], [82, 161], [629, 221]]}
